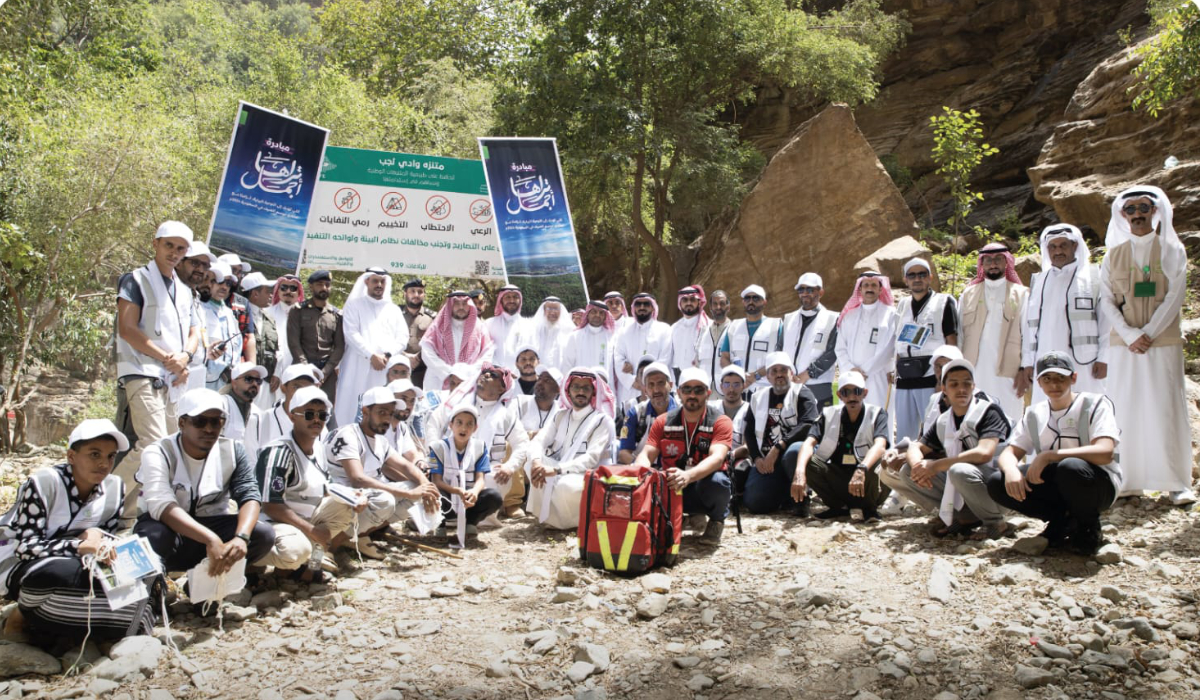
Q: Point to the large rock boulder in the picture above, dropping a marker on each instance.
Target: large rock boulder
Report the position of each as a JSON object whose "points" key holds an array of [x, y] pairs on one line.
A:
{"points": [[1104, 146], [890, 259], [822, 203]]}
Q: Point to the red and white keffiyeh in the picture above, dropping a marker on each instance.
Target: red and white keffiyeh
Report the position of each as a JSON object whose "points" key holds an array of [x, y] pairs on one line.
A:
{"points": [[475, 338], [1010, 263], [603, 397], [855, 300]]}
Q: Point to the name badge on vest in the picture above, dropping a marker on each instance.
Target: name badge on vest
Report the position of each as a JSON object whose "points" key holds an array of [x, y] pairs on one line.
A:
{"points": [[1142, 290], [874, 336], [819, 337], [849, 460], [914, 334]]}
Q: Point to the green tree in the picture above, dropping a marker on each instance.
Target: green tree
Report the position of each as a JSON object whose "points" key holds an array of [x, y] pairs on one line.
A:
{"points": [[638, 93], [958, 149], [1170, 67]]}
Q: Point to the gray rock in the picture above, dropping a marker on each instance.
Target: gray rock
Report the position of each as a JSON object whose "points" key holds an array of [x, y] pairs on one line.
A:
{"points": [[1010, 574], [270, 694], [942, 583], [656, 583], [945, 695], [419, 593], [123, 670], [345, 695], [238, 613], [476, 586], [417, 628], [591, 694], [541, 641], [101, 687], [1185, 630], [326, 601], [445, 591], [594, 654], [1166, 571], [699, 682], [268, 599], [1140, 626], [1030, 677], [864, 677], [516, 590], [1112, 593], [498, 668], [140, 645], [579, 671], [686, 661], [1110, 554], [817, 599], [652, 605], [890, 668], [161, 694], [566, 594], [1054, 651], [1031, 546]]}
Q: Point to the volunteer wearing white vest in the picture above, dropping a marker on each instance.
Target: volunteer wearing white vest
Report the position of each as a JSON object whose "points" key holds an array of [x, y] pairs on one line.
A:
{"points": [[867, 333], [297, 499], [748, 341], [688, 331], [269, 344], [240, 395], [506, 327], [188, 479], [60, 516], [810, 338], [841, 456], [1144, 278], [224, 338], [925, 321], [358, 455], [657, 380], [548, 331], [575, 440], [776, 423], [400, 436], [591, 343], [193, 270], [708, 343], [991, 307], [157, 333], [458, 465], [1073, 473], [964, 443], [646, 335], [1063, 313], [375, 330], [264, 427]]}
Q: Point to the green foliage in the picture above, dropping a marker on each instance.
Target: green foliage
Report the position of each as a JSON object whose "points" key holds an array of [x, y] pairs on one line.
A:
{"points": [[901, 175], [954, 271], [103, 403], [958, 148], [1170, 67]]}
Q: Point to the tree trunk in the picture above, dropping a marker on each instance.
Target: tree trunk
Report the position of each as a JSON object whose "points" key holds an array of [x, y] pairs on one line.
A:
{"points": [[666, 265]]}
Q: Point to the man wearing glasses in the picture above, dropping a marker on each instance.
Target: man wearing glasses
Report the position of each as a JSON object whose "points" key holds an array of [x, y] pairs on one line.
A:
{"points": [[927, 321], [240, 394], [810, 337], [224, 338], [749, 340]]}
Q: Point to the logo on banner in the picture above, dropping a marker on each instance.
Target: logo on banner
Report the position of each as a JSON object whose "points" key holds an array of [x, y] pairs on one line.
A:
{"points": [[347, 200], [437, 207], [528, 193], [275, 174], [394, 204], [481, 211]]}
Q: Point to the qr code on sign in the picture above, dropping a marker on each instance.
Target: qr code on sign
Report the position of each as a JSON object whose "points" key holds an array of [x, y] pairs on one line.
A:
{"points": [[482, 267]]}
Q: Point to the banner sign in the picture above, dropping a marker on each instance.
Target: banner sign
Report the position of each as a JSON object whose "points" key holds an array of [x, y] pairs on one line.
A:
{"points": [[537, 238], [418, 215], [270, 174]]}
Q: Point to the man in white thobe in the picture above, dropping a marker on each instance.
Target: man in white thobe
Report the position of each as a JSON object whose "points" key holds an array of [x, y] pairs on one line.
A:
{"points": [[645, 336], [590, 345], [375, 330], [810, 339], [615, 302], [286, 295], [991, 327], [456, 336], [688, 330], [506, 327], [867, 334], [1144, 278], [548, 330]]}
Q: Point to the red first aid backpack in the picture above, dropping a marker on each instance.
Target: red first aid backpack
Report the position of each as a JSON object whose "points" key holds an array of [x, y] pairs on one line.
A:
{"points": [[629, 519]]}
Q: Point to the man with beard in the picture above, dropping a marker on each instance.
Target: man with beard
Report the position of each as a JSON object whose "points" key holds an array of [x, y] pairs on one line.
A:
{"points": [[657, 384], [374, 329], [224, 340], [401, 436], [615, 303], [690, 443], [192, 271], [418, 319], [810, 338], [239, 305], [590, 344], [708, 344], [645, 336], [991, 327], [866, 335], [266, 335], [548, 330], [455, 336], [687, 332], [777, 421], [534, 410], [244, 386], [264, 427], [527, 361], [287, 293], [507, 326], [926, 321], [749, 340], [575, 440], [314, 332]]}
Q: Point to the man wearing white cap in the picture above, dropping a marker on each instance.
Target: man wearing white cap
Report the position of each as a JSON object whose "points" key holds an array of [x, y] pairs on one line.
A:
{"points": [[658, 385], [358, 455], [927, 320], [223, 338], [708, 344], [158, 330], [731, 385], [401, 436], [691, 443], [258, 290], [749, 340], [307, 514], [239, 304], [1144, 278], [991, 308], [375, 330], [689, 330], [646, 335], [963, 443], [198, 260], [779, 417], [867, 334], [1063, 313], [842, 455], [194, 271], [266, 426], [810, 338], [245, 384], [188, 479], [535, 409]]}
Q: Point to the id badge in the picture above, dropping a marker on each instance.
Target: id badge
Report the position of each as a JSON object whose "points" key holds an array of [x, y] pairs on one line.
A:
{"points": [[914, 334], [1143, 290], [849, 460]]}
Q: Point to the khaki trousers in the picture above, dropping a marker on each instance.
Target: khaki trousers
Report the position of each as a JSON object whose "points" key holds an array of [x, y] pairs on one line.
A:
{"points": [[152, 415], [292, 548]]}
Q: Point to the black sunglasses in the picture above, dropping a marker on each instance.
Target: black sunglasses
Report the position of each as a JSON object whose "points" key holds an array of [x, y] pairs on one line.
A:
{"points": [[850, 391], [692, 390], [917, 275], [311, 414], [252, 378], [289, 287], [1134, 208], [205, 422]]}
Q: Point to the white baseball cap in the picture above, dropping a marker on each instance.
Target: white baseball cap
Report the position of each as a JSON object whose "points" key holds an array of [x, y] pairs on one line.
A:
{"points": [[200, 248], [754, 289], [376, 396], [241, 369], [917, 262], [174, 229], [809, 279], [694, 374], [198, 401], [852, 378], [465, 407], [401, 385], [958, 364], [233, 260], [254, 280], [301, 370], [777, 358], [733, 369], [307, 394], [398, 359], [660, 368], [221, 271], [950, 352], [93, 428]]}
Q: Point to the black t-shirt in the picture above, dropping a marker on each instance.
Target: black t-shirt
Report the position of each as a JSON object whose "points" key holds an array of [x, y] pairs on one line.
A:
{"points": [[949, 328], [993, 424], [849, 430], [527, 385]]}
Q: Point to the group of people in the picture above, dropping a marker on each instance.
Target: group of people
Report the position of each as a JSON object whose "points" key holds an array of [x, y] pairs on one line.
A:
{"points": [[272, 427]]}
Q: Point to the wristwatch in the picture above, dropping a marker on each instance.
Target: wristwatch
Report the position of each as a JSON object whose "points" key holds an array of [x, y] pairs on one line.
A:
{"points": [[243, 537]]}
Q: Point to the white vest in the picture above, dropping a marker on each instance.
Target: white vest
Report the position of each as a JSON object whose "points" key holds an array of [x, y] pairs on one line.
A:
{"points": [[968, 430], [166, 324], [210, 494], [371, 462], [235, 425], [814, 343], [788, 418], [930, 317], [750, 353], [532, 418], [48, 482], [708, 355], [1074, 430], [455, 472], [305, 495], [1083, 308], [863, 439]]}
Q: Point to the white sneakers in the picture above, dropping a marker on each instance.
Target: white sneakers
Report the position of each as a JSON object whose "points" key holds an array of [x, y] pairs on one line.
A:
{"points": [[1185, 497]]}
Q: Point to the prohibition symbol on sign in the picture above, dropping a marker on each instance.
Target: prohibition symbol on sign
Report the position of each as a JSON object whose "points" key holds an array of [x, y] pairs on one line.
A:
{"points": [[347, 200], [481, 211], [393, 204], [437, 207]]}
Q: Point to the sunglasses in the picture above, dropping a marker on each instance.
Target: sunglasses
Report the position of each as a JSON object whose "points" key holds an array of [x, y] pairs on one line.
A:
{"points": [[398, 416], [289, 287], [850, 391], [692, 390], [729, 384], [310, 414], [752, 297], [252, 378], [807, 290], [206, 422], [917, 275], [642, 304], [1135, 208]]}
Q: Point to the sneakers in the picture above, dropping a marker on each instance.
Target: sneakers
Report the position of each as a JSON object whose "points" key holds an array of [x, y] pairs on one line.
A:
{"points": [[368, 550], [803, 508], [696, 522], [894, 505], [514, 512], [1185, 497], [831, 513], [712, 532]]}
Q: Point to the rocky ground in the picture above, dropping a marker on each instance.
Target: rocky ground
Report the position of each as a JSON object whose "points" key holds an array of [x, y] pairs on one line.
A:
{"points": [[788, 609]]}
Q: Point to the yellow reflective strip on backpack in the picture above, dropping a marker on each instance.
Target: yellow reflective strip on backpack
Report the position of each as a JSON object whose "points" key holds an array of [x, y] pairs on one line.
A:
{"points": [[627, 546], [622, 480], [605, 550], [675, 549]]}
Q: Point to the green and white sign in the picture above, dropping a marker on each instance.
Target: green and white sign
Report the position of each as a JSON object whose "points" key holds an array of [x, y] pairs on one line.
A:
{"points": [[413, 215]]}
